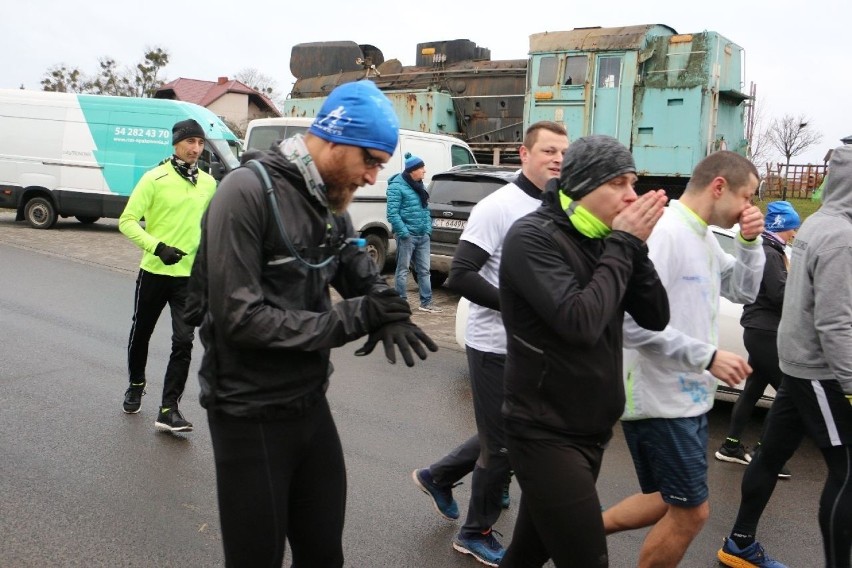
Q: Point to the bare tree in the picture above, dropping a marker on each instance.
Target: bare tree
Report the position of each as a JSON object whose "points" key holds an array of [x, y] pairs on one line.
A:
{"points": [[141, 80], [759, 148], [237, 129], [261, 83], [110, 81], [146, 79], [790, 136], [61, 79]]}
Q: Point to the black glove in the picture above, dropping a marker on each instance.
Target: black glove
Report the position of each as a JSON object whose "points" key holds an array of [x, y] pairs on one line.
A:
{"points": [[405, 335], [169, 255], [384, 307]]}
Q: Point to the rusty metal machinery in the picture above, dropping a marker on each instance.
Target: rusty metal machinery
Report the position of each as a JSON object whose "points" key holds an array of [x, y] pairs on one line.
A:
{"points": [[488, 96]]}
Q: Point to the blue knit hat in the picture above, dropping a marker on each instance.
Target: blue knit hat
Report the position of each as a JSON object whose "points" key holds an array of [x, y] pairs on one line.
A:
{"points": [[358, 114], [780, 216], [412, 162]]}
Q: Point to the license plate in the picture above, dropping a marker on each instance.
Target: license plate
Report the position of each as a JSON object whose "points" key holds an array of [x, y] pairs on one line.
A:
{"points": [[440, 223]]}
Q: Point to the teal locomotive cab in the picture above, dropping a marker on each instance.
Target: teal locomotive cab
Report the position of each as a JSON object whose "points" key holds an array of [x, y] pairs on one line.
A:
{"points": [[671, 98]]}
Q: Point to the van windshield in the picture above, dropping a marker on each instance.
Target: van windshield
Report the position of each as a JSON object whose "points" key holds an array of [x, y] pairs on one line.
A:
{"points": [[262, 137], [227, 152]]}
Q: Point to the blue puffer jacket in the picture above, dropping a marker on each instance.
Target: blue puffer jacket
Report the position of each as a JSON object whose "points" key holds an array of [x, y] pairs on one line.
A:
{"points": [[405, 213]]}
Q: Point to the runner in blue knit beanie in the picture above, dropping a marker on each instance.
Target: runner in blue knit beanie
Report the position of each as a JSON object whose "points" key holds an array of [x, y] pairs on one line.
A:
{"points": [[780, 216], [358, 114]]}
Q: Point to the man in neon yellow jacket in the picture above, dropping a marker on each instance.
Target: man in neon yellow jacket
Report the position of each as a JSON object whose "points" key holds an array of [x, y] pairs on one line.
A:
{"points": [[171, 198]]}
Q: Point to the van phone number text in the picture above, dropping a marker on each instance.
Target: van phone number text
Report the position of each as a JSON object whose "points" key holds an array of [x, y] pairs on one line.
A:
{"points": [[154, 133]]}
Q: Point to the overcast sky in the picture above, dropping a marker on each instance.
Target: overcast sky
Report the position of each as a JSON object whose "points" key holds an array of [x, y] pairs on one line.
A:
{"points": [[796, 52]]}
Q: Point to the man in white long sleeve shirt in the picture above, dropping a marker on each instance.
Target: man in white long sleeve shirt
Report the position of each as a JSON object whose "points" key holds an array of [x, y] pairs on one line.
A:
{"points": [[670, 376]]}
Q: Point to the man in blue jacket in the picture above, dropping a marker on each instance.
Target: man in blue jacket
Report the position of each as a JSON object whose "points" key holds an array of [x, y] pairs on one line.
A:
{"points": [[408, 214]]}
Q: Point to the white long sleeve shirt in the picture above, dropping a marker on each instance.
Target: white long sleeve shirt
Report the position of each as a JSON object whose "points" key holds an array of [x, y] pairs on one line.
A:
{"points": [[665, 372]]}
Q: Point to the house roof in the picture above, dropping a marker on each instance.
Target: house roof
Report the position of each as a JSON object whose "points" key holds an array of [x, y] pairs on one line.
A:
{"points": [[206, 92]]}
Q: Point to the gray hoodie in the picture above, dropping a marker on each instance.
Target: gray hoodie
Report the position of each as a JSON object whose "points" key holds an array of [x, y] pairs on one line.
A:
{"points": [[815, 334]]}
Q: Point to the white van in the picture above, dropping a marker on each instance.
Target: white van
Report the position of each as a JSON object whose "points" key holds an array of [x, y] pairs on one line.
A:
{"points": [[76, 155], [369, 208]]}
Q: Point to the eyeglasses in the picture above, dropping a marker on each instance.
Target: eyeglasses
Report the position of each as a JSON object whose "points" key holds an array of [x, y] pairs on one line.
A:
{"points": [[371, 161]]}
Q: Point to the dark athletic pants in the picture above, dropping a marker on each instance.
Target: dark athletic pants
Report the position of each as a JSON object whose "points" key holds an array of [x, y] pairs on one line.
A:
{"points": [[797, 411], [280, 480], [153, 292], [559, 516], [762, 350], [485, 453]]}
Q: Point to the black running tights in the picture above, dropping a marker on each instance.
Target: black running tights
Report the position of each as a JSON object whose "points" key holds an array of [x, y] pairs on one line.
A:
{"points": [[280, 480], [559, 516]]}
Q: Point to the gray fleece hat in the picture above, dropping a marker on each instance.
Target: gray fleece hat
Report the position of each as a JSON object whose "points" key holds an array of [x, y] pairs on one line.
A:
{"points": [[592, 161]]}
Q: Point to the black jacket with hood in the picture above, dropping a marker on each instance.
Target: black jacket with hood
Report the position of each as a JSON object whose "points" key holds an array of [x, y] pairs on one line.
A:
{"points": [[765, 312], [563, 298], [270, 322]]}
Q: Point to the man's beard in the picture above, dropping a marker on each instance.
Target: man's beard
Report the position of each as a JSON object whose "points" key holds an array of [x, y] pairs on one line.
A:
{"points": [[338, 199]]}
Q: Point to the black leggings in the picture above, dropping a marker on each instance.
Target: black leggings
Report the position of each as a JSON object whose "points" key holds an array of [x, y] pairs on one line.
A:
{"points": [[763, 357], [559, 516], [785, 428], [280, 480]]}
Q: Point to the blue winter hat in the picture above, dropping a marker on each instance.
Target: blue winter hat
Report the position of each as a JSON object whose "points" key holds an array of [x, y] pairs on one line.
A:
{"points": [[412, 162], [358, 114], [780, 216]]}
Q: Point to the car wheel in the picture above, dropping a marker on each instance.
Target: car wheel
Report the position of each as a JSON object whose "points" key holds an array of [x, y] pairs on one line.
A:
{"points": [[40, 213], [438, 278], [377, 249], [87, 220]]}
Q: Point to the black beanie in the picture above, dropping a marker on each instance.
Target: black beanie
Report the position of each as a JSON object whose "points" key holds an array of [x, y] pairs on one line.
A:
{"points": [[592, 161], [186, 129]]}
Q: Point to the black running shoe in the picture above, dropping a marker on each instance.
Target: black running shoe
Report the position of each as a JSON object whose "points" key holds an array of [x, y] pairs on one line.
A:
{"points": [[735, 454], [169, 419], [133, 397]]}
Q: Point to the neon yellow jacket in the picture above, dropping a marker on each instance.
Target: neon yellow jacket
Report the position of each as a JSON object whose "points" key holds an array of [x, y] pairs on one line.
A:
{"points": [[172, 208]]}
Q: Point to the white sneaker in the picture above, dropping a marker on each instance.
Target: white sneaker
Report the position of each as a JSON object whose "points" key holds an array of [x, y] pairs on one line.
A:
{"points": [[431, 308]]}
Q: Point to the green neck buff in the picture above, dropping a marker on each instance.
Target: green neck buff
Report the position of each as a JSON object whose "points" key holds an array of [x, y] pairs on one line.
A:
{"points": [[588, 225]]}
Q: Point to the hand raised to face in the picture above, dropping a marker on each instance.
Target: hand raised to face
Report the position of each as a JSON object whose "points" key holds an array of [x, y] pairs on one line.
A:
{"points": [[639, 217], [751, 223]]}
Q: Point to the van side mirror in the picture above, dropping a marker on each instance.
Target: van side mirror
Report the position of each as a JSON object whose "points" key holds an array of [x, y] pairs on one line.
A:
{"points": [[217, 170]]}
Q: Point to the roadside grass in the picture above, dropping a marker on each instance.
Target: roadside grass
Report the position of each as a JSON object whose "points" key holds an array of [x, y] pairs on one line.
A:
{"points": [[803, 206]]}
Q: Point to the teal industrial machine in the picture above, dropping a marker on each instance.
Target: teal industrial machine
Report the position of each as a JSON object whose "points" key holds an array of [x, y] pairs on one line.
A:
{"points": [[671, 98]]}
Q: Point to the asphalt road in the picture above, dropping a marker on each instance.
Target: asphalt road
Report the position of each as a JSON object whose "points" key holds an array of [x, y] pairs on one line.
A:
{"points": [[82, 484]]}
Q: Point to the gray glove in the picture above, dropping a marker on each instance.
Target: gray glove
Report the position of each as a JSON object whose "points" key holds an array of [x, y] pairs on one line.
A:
{"points": [[384, 307], [405, 335]]}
